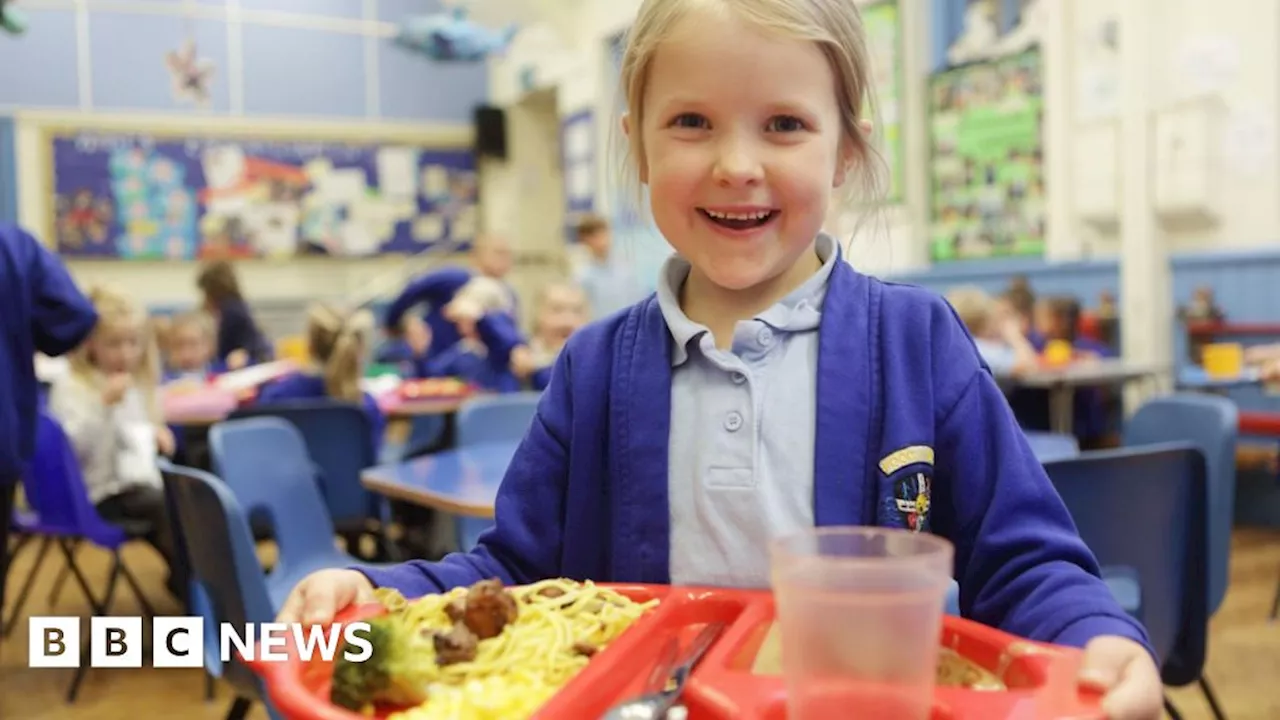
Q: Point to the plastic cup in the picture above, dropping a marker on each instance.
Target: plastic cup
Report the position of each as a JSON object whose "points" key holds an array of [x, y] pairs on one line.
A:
{"points": [[860, 612]]}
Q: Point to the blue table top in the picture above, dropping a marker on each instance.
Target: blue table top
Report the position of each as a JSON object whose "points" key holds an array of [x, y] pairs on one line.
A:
{"points": [[463, 481], [1195, 378]]}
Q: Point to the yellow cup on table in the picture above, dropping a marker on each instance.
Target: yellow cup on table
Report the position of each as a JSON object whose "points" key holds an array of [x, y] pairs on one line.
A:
{"points": [[1223, 360], [292, 347], [1058, 352]]}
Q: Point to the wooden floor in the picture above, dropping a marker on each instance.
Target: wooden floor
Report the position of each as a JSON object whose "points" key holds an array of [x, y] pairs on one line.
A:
{"points": [[1244, 652]]}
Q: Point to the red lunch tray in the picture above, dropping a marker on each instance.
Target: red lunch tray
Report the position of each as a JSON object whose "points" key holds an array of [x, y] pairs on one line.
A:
{"points": [[1041, 678]]}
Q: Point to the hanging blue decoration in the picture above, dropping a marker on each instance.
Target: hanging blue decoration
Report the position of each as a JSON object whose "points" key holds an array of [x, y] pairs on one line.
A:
{"points": [[12, 21], [451, 37]]}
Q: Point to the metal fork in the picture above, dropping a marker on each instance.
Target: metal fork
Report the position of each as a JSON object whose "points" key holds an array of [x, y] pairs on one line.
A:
{"points": [[667, 679]]}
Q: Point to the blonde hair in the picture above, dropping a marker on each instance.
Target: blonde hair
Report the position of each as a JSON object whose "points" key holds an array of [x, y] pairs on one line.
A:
{"points": [[336, 339], [168, 328], [117, 310], [974, 306], [834, 25]]}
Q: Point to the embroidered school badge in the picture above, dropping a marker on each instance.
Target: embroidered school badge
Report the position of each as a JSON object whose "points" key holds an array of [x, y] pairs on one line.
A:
{"points": [[908, 487], [912, 499]]}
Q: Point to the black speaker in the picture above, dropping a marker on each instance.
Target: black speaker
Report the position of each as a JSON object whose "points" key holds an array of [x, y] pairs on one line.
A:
{"points": [[491, 132]]}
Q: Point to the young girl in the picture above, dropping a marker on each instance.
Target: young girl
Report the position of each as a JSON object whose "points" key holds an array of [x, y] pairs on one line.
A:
{"points": [[561, 311], [240, 341], [996, 331], [336, 341], [108, 407], [769, 387], [189, 345]]}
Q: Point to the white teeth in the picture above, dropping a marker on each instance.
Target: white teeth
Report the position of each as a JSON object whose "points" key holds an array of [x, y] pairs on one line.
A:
{"points": [[739, 216]]}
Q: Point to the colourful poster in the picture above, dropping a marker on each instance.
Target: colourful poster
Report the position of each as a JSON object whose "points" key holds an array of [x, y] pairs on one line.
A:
{"points": [[884, 49], [988, 196], [140, 197]]}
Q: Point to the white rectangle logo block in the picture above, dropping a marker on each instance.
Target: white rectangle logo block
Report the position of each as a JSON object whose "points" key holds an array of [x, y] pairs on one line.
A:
{"points": [[116, 642], [177, 642], [53, 642]]}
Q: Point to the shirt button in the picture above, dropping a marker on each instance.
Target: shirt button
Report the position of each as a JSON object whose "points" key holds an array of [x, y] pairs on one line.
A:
{"points": [[765, 337], [733, 421], [738, 378]]}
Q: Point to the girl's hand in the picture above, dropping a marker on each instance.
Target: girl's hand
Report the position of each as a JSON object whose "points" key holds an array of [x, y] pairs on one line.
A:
{"points": [[522, 363], [237, 359], [323, 594], [116, 386], [1124, 671], [164, 441]]}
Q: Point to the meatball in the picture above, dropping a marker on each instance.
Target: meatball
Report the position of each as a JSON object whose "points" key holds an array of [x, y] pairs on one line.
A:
{"points": [[489, 608], [457, 645]]}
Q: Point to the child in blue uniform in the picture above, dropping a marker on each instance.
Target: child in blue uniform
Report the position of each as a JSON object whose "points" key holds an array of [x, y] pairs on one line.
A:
{"points": [[336, 341], [490, 258], [189, 349], [44, 312], [240, 342], [768, 387]]}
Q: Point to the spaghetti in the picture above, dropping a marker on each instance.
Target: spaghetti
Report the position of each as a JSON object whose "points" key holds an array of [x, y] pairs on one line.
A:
{"points": [[557, 625]]}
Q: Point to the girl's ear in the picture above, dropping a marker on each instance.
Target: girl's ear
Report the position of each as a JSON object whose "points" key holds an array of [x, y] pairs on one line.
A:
{"points": [[849, 154], [641, 166]]}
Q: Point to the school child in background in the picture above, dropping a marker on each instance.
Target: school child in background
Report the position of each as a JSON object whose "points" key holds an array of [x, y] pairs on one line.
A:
{"points": [[490, 258], [44, 312], [1057, 318], [562, 310], [768, 386], [109, 408], [406, 347], [337, 341], [995, 330], [609, 281], [240, 342], [189, 348]]}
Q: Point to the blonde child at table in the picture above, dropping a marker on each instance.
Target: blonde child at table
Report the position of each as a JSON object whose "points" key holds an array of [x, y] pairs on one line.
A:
{"points": [[336, 341], [996, 331], [768, 386], [108, 406], [188, 341]]}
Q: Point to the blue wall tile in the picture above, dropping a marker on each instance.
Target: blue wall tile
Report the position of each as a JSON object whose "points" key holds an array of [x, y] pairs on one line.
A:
{"points": [[327, 8], [1084, 279], [412, 87], [292, 71], [40, 66], [128, 58], [397, 10]]}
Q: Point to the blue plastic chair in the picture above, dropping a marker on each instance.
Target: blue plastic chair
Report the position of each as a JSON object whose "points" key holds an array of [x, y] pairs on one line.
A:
{"points": [[1211, 423], [339, 442], [496, 418], [1159, 575], [64, 515], [265, 463], [1049, 446], [225, 567]]}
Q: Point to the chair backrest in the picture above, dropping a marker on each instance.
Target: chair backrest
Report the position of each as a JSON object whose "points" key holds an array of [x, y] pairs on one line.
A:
{"points": [[496, 418], [1144, 509], [223, 562], [339, 440], [1049, 446], [1210, 422], [55, 489], [265, 463]]}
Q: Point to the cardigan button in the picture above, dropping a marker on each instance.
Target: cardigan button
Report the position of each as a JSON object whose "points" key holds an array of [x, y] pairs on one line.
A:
{"points": [[733, 421]]}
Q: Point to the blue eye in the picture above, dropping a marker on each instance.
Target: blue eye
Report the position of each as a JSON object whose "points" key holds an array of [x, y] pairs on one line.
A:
{"points": [[689, 120], [786, 124]]}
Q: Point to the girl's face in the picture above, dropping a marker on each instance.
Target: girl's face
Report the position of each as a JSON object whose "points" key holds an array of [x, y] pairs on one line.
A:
{"points": [[742, 147], [563, 311], [116, 348], [190, 348]]}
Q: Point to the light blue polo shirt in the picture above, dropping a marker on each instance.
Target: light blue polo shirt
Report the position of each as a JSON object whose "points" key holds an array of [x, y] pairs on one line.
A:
{"points": [[742, 431]]}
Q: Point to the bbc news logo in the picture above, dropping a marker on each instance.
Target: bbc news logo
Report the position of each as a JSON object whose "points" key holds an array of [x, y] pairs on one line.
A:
{"points": [[179, 642]]}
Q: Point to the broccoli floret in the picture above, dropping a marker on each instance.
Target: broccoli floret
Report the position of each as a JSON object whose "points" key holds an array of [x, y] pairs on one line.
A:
{"points": [[397, 672]]}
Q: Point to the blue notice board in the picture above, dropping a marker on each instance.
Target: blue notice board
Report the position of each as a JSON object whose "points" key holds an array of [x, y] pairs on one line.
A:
{"points": [[127, 196]]}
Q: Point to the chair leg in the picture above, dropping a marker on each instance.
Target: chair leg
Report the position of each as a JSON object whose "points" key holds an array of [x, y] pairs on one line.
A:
{"points": [[56, 591], [239, 709], [1171, 709], [81, 671], [74, 568], [129, 578], [209, 689], [1212, 698], [1275, 603], [7, 627]]}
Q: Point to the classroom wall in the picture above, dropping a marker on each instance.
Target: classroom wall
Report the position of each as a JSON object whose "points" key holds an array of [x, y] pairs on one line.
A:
{"points": [[320, 68]]}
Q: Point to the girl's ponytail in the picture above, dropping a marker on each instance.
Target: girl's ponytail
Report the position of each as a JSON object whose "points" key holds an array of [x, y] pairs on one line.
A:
{"points": [[337, 343]]}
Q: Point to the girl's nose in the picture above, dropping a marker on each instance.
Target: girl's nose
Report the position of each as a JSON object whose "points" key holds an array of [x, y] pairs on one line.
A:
{"points": [[736, 164]]}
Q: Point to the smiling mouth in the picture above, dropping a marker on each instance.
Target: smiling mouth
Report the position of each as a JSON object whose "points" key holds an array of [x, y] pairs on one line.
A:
{"points": [[739, 221]]}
